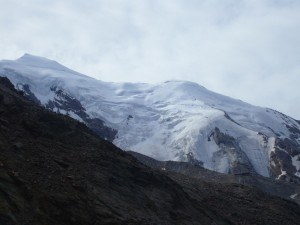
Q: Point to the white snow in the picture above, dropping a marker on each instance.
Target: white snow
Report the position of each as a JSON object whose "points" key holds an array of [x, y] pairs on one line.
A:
{"points": [[170, 119], [75, 116], [294, 196], [296, 162], [283, 173], [270, 145]]}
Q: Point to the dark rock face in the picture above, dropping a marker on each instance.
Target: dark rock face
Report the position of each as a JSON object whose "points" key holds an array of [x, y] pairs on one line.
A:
{"points": [[281, 161], [54, 170], [229, 118], [230, 149], [286, 148], [281, 164], [290, 146], [294, 130], [191, 159], [27, 93], [66, 102], [6, 83]]}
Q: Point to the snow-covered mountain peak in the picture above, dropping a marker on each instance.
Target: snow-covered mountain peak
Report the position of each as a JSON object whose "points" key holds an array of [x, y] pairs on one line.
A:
{"points": [[173, 120], [32, 58], [40, 62]]}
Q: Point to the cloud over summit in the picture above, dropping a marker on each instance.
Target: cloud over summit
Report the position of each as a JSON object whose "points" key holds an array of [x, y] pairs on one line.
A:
{"points": [[248, 49]]}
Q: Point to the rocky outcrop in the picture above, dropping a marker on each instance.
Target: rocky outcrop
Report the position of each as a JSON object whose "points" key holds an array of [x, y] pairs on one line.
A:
{"points": [[28, 93], [66, 104], [284, 160], [290, 146], [191, 159], [231, 153]]}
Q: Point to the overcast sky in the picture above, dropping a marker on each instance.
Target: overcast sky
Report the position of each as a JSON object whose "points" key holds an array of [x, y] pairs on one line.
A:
{"points": [[247, 49]]}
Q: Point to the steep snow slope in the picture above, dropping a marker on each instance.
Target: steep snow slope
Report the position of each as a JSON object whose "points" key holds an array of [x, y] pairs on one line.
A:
{"points": [[174, 120]]}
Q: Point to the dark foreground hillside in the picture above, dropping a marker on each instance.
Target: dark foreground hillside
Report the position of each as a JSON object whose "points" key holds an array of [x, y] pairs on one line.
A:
{"points": [[54, 170]]}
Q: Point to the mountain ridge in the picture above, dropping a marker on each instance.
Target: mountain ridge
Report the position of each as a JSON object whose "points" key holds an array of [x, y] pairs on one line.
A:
{"points": [[170, 120]]}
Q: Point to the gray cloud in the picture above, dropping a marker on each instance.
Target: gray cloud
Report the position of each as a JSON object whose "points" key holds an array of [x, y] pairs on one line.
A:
{"points": [[247, 49]]}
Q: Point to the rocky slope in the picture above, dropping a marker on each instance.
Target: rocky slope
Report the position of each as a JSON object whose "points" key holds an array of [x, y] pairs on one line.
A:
{"points": [[175, 120], [270, 186], [54, 170]]}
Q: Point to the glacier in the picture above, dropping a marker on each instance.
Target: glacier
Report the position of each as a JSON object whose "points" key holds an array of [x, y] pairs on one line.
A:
{"points": [[172, 120]]}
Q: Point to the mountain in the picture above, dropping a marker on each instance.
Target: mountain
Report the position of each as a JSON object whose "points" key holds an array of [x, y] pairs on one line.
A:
{"points": [[174, 120], [54, 170]]}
